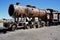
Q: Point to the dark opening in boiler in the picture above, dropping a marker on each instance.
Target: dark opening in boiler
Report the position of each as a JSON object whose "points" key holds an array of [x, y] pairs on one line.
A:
{"points": [[11, 10]]}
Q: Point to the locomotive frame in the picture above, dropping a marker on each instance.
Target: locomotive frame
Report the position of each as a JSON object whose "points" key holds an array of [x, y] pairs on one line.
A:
{"points": [[52, 18]]}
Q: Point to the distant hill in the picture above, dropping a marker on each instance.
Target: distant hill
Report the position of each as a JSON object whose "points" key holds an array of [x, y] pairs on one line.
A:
{"points": [[6, 20]]}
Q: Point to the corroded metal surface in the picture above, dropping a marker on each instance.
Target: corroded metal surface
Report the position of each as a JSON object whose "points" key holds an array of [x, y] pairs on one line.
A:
{"points": [[18, 11]]}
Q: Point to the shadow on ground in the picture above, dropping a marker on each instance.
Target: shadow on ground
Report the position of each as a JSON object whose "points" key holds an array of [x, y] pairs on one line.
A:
{"points": [[3, 31], [8, 30]]}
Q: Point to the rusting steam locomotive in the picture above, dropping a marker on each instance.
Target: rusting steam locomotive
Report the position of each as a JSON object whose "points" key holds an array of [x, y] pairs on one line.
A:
{"points": [[29, 17]]}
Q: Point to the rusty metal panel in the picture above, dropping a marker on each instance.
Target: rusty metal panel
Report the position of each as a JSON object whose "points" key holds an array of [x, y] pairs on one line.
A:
{"points": [[55, 16], [59, 17], [48, 16], [20, 11]]}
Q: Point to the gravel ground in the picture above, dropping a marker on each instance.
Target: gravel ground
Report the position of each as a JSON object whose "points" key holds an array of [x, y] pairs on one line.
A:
{"points": [[45, 33]]}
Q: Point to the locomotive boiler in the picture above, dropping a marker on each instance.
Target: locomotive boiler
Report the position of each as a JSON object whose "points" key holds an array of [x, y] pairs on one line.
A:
{"points": [[26, 11]]}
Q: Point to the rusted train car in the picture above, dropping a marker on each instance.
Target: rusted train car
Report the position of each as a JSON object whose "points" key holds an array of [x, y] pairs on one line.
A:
{"points": [[53, 17], [17, 11]]}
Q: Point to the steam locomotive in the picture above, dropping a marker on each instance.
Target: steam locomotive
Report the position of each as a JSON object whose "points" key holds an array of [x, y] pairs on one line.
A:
{"points": [[24, 16]]}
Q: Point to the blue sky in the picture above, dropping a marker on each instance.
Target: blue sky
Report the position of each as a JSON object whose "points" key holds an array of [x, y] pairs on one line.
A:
{"points": [[42, 4]]}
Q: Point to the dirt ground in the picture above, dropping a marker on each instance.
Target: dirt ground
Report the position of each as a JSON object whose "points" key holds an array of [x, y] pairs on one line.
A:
{"points": [[44, 33]]}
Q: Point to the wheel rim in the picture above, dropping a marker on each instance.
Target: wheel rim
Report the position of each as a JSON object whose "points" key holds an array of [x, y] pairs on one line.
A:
{"points": [[13, 27]]}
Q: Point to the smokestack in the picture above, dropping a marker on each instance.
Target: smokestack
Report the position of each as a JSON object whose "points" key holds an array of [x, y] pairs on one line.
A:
{"points": [[17, 3]]}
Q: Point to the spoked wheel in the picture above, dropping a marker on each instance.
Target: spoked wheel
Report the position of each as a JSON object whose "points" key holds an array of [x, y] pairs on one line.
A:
{"points": [[36, 25], [13, 27], [28, 26], [25, 27]]}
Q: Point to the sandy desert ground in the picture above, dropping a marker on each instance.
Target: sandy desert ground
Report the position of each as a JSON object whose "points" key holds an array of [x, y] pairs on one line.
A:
{"points": [[44, 33]]}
